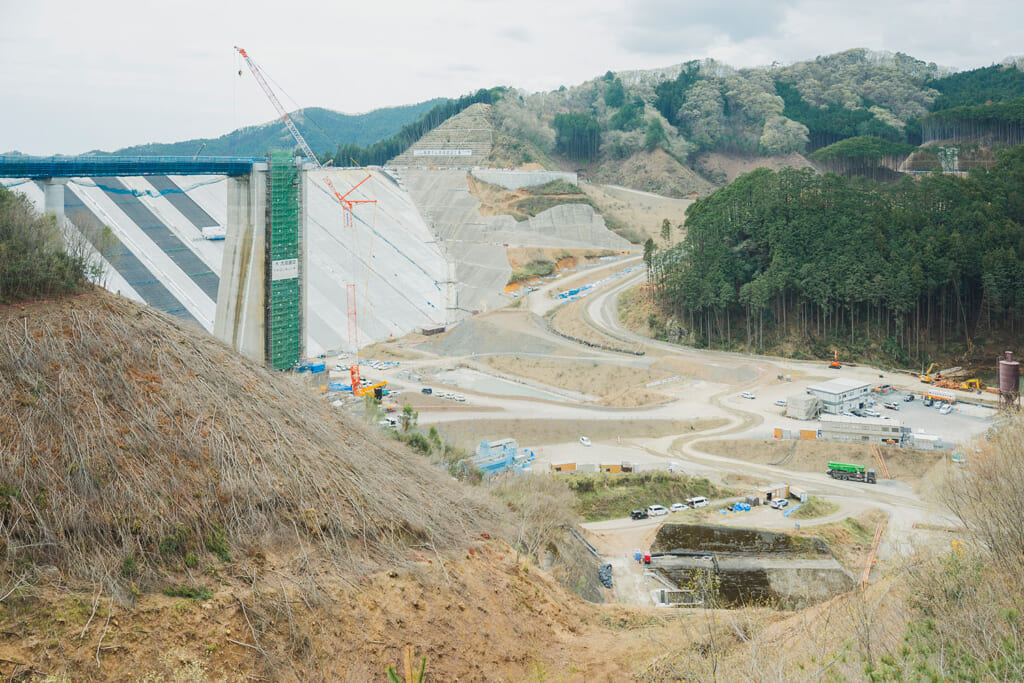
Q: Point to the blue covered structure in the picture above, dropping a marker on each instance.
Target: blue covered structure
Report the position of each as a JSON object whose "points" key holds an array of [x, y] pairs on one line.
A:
{"points": [[496, 457], [95, 166]]}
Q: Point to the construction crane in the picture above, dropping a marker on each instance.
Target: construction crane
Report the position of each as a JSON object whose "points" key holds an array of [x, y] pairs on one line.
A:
{"points": [[347, 205]]}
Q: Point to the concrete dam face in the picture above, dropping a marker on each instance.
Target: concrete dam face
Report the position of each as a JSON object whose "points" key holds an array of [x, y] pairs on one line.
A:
{"points": [[732, 567]]}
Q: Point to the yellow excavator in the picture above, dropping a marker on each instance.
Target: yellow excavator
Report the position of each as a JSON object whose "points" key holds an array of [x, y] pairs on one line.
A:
{"points": [[927, 377], [972, 385]]}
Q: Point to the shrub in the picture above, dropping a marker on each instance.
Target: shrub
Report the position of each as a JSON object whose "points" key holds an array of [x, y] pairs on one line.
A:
{"points": [[217, 543], [33, 263], [196, 593]]}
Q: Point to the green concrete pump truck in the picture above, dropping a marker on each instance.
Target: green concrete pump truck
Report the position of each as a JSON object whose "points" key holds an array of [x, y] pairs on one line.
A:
{"points": [[846, 472]]}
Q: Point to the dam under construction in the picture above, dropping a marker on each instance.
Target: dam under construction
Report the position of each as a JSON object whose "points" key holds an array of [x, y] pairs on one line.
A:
{"points": [[191, 239]]}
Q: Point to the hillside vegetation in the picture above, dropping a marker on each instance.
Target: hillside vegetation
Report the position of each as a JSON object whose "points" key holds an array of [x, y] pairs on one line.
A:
{"points": [[34, 261], [825, 260], [610, 125]]}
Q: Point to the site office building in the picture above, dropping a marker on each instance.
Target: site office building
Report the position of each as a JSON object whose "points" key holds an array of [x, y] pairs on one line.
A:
{"points": [[841, 395]]}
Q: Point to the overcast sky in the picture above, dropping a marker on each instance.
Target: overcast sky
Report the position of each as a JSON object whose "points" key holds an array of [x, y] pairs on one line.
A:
{"points": [[77, 76]]}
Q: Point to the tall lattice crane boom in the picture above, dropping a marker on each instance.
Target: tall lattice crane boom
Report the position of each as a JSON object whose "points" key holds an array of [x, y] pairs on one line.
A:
{"points": [[293, 129], [258, 75], [346, 204]]}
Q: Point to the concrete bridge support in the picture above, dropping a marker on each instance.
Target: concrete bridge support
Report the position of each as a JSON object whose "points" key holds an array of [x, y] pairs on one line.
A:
{"points": [[261, 299], [241, 301], [53, 196]]}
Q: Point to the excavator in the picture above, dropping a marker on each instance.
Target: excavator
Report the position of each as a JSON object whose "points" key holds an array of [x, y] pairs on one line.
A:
{"points": [[972, 385], [927, 377], [834, 363]]}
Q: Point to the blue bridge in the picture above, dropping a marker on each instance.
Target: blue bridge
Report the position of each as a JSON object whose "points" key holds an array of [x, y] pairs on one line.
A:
{"points": [[94, 166]]}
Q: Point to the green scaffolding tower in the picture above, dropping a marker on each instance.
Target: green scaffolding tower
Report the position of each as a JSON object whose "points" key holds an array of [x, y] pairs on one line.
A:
{"points": [[284, 263]]}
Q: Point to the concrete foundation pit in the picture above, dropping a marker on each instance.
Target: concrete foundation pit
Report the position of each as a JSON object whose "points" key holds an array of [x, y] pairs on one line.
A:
{"points": [[730, 567]]}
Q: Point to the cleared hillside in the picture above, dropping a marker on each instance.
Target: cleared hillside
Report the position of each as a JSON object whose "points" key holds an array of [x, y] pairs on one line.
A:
{"points": [[171, 511], [131, 442]]}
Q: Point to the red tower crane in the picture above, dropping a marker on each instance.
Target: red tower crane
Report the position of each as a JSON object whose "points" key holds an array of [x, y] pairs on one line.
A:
{"points": [[347, 204]]}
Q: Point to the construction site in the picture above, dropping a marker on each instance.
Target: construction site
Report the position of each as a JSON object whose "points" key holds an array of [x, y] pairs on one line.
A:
{"points": [[336, 285]]}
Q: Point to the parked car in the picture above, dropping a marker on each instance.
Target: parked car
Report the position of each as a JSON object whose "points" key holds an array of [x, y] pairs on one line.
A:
{"points": [[459, 397], [946, 409], [891, 405], [656, 510], [638, 514], [585, 441], [871, 412], [679, 507], [748, 394], [427, 390], [781, 402], [856, 412], [698, 502], [779, 503], [908, 398]]}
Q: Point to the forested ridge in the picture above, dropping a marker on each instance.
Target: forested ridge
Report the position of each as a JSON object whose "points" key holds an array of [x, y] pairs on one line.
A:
{"points": [[382, 151], [903, 268], [322, 128]]}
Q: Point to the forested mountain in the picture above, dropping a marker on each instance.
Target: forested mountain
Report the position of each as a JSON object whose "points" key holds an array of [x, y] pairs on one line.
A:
{"points": [[384, 149], [323, 129], [870, 101], [657, 130], [904, 268]]}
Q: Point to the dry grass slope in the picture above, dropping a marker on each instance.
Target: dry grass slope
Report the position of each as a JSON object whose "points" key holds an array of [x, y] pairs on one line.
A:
{"points": [[130, 441]]}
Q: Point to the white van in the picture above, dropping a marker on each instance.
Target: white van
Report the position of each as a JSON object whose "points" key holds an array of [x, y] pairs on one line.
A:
{"points": [[698, 502]]}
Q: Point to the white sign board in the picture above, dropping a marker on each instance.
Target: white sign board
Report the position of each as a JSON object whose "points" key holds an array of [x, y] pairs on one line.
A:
{"points": [[442, 152], [286, 269]]}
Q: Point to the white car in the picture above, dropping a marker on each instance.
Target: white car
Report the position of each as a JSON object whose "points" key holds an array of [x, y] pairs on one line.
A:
{"points": [[946, 409], [679, 507], [781, 402], [585, 441], [656, 510], [748, 394], [459, 397]]}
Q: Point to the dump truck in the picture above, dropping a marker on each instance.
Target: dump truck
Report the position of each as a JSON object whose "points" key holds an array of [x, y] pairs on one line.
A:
{"points": [[847, 472]]}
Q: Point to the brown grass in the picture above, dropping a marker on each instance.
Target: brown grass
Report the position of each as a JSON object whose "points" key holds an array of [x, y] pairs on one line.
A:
{"points": [[468, 433], [614, 385], [127, 434]]}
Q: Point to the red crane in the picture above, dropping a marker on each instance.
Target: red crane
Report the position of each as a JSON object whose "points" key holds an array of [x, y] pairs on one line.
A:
{"points": [[347, 204]]}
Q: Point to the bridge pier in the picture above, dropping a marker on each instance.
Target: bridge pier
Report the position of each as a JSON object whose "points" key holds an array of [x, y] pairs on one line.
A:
{"points": [[241, 300], [261, 299], [53, 195]]}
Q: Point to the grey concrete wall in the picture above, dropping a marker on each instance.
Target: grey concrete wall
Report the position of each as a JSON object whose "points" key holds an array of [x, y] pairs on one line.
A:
{"points": [[801, 587], [240, 320], [513, 180]]}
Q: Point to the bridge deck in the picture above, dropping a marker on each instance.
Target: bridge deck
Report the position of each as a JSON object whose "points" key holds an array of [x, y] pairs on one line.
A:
{"points": [[82, 167]]}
